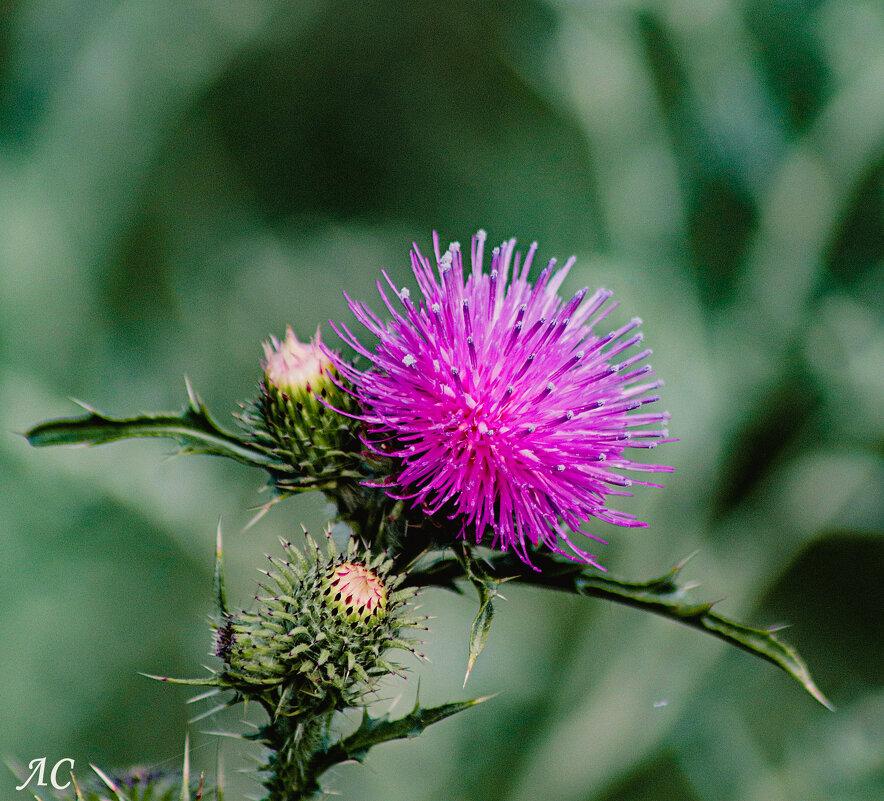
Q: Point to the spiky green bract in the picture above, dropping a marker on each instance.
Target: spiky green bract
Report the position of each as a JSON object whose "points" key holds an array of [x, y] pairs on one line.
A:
{"points": [[299, 430], [303, 419], [306, 649], [311, 431], [316, 643]]}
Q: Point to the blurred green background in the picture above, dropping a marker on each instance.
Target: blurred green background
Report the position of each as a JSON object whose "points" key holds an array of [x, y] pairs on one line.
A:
{"points": [[178, 180]]}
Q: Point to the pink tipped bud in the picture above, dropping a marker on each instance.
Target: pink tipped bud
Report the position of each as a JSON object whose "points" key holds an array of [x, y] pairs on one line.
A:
{"points": [[291, 365]]}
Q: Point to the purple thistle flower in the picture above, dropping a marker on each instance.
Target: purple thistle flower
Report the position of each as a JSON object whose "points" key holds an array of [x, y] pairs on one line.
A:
{"points": [[505, 407]]}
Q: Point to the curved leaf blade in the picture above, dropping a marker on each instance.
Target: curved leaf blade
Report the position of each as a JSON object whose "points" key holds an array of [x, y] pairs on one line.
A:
{"points": [[663, 596], [193, 429]]}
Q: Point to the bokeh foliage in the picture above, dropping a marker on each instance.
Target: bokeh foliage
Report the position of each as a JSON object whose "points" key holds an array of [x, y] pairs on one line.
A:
{"points": [[179, 180]]}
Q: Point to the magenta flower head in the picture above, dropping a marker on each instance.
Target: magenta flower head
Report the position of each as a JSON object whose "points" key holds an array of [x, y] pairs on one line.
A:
{"points": [[503, 404]]}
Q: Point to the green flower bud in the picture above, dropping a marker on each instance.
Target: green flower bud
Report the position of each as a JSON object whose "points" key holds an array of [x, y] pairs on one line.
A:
{"points": [[291, 365], [318, 638], [304, 419]]}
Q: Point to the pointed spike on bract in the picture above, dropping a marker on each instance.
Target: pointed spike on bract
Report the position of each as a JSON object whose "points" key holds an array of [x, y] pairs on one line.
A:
{"points": [[185, 770], [192, 397], [263, 510], [417, 696], [107, 780], [680, 565], [77, 789], [220, 591], [470, 663], [219, 774]]}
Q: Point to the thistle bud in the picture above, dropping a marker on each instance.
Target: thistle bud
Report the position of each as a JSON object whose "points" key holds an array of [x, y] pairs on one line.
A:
{"points": [[293, 367], [303, 418], [318, 637]]}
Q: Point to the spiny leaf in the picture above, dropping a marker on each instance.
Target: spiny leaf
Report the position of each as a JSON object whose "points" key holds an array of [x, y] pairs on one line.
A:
{"points": [[662, 596], [193, 429], [486, 586], [374, 731]]}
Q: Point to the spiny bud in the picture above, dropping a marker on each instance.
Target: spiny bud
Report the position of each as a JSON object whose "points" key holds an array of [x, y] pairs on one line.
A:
{"points": [[318, 638], [292, 366], [303, 418]]}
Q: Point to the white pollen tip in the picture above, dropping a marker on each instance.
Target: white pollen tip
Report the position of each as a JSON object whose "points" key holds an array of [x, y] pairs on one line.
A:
{"points": [[481, 233], [510, 389], [466, 303], [408, 360], [560, 467], [580, 354], [569, 415], [531, 429], [550, 386], [436, 308], [454, 247], [405, 293]]}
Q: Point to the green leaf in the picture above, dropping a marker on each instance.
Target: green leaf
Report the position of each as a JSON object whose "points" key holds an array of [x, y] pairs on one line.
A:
{"points": [[374, 731], [193, 429], [662, 596], [486, 586]]}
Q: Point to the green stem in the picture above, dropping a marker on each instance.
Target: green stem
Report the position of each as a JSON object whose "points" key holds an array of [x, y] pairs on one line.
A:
{"points": [[293, 741]]}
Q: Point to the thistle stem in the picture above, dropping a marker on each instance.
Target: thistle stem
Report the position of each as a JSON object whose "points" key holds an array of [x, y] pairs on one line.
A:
{"points": [[293, 742]]}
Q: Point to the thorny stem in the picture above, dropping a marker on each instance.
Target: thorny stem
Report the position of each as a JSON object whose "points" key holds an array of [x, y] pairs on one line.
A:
{"points": [[293, 742]]}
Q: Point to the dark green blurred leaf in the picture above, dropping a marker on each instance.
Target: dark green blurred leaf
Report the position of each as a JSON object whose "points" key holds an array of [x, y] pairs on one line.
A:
{"points": [[763, 439], [841, 622]]}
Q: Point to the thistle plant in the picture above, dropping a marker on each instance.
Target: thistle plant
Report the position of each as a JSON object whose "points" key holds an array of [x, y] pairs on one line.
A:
{"points": [[489, 427], [316, 643]]}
